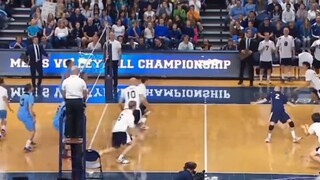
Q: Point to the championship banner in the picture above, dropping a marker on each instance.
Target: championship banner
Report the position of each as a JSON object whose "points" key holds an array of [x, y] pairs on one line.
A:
{"points": [[173, 64]]}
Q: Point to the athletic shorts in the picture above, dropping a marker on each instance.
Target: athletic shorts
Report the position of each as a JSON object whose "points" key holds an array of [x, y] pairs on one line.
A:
{"points": [[28, 122], [283, 117], [286, 61], [316, 63], [137, 116], [120, 138], [265, 65], [3, 114], [143, 109], [316, 92]]}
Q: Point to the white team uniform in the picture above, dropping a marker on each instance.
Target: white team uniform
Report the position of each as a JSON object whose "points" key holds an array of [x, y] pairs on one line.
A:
{"points": [[3, 105], [130, 93], [142, 90], [120, 135], [315, 129], [285, 45], [313, 78], [266, 49]]}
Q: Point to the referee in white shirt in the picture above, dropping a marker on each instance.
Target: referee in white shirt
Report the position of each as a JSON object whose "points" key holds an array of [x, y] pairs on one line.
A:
{"points": [[74, 91], [116, 52]]}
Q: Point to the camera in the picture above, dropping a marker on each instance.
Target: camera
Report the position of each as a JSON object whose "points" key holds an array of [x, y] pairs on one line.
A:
{"points": [[199, 175]]}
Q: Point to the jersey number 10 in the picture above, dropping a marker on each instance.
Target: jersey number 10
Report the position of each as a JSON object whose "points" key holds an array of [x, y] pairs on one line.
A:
{"points": [[131, 94]]}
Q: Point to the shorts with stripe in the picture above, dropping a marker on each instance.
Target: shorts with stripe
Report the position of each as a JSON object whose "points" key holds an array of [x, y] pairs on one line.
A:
{"points": [[283, 117], [120, 138]]}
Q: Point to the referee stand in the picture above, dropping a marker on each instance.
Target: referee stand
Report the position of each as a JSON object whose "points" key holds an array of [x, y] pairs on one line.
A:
{"points": [[78, 155]]}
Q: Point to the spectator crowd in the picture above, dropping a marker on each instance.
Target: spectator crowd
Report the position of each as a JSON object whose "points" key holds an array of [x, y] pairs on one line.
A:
{"points": [[302, 17], [137, 24]]}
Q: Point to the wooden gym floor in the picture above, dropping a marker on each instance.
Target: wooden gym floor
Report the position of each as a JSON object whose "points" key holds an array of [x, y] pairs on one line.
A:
{"points": [[234, 141]]}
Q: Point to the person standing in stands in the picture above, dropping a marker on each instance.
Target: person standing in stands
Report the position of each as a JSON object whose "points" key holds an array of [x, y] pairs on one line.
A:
{"points": [[35, 53]]}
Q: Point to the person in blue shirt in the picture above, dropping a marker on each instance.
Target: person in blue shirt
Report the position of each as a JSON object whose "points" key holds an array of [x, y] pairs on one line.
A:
{"points": [[278, 112], [61, 117], [315, 30], [27, 115]]}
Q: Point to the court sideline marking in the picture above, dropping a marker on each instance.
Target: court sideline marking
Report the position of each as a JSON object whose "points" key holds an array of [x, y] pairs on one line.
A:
{"points": [[98, 125], [205, 119]]}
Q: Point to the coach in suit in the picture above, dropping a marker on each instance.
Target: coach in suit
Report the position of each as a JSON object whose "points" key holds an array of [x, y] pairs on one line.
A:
{"points": [[247, 47], [35, 53]]}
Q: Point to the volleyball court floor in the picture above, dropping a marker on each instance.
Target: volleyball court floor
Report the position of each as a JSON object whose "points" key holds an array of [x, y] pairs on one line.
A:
{"points": [[215, 126]]}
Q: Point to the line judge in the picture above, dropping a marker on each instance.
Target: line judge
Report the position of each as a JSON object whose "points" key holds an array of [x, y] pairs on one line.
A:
{"points": [[115, 57], [74, 91]]}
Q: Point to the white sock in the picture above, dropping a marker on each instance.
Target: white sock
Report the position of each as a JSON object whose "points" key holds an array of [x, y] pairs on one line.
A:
{"points": [[3, 127], [121, 156], [28, 143], [261, 75], [293, 134], [269, 136], [268, 78]]}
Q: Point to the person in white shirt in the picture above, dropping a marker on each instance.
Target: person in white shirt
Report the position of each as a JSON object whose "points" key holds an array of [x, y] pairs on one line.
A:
{"points": [[142, 90], [122, 131], [288, 15], [315, 47], [186, 44], [61, 33], [149, 13], [94, 44], [286, 49], [312, 80], [4, 104], [131, 93], [314, 129], [196, 4], [266, 49], [115, 57], [74, 90], [118, 28]]}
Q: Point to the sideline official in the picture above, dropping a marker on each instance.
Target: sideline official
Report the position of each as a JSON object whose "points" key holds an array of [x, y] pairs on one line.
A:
{"points": [[35, 53], [115, 57], [247, 47], [74, 91]]}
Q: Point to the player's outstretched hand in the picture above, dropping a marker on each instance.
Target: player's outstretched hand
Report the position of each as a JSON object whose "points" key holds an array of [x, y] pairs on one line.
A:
{"points": [[304, 126]]}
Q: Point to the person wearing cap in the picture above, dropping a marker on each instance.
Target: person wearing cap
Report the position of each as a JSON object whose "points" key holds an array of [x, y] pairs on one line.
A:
{"points": [[188, 171], [74, 91]]}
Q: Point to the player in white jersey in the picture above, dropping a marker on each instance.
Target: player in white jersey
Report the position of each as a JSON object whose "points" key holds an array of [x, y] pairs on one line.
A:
{"points": [[142, 89], [122, 133], [315, 47], [286, 48], [131, 93], [4, 104], [312, 80], [315, 130], [266, 49]]}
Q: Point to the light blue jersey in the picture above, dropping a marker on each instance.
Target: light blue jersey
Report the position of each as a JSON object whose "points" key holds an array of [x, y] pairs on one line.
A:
{"points": [[24, 113], [60, 115]]}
